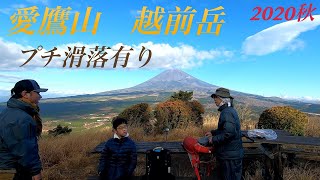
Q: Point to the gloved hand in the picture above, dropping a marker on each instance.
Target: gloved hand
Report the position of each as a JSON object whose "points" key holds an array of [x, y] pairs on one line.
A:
{"points": [[208, 134]]}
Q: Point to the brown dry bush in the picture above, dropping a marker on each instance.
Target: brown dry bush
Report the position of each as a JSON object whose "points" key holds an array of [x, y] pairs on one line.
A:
{"points": [[137, 115], [178, 112], [172, 114], [284, 118]]}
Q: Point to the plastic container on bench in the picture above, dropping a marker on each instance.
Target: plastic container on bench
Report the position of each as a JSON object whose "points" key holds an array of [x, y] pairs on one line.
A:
{"points": [[269, 134]]}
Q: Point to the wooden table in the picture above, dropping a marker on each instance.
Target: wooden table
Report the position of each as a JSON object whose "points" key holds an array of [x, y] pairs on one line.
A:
{"points": [[270, 150]]}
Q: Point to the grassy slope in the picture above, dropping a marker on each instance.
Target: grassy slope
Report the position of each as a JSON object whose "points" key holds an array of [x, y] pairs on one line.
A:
{"points": [[68, 157]]}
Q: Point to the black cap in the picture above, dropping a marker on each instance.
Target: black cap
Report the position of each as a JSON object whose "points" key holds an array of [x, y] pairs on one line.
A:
{"points": [[28, 85]]}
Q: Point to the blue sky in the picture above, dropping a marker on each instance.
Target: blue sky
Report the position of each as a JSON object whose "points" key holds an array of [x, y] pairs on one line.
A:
{"points": [[265, 57]]}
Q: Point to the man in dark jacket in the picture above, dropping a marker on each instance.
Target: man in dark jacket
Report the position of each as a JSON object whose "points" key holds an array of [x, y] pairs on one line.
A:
{"points": [[20, 127], [119, 156], [227, 138]]}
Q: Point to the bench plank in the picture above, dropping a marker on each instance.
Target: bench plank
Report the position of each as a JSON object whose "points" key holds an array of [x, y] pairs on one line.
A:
{"points": [[175, 147], [297, 140], [142, 147]]}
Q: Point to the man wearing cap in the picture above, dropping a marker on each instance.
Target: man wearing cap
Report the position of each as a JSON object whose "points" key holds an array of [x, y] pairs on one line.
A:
{"points": [[226, 139], [20, 127]]}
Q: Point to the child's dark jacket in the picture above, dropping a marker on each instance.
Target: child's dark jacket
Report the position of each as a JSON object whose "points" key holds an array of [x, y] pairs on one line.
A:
{"points": [[118, 159]]}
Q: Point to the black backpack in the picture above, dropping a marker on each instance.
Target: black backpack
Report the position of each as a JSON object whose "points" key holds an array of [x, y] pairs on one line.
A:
{"points": [[158, 164]]}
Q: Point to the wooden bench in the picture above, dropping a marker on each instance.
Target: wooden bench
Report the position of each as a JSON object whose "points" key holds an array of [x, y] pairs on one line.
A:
{"points": [[271, 151], [7, 174]]}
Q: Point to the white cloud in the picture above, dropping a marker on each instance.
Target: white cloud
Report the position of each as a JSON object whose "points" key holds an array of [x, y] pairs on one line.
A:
{"points": [[11, 9], [11, 55], [302, 98], [5, 11], [18, 6], [72, 92], [279, 37], [53, 92], [44, 2], [163, 56], [182, 56], [9, 78], [135, 13]]}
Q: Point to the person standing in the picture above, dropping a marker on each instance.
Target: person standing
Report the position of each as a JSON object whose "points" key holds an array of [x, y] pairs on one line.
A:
{"points": [[20, 127], [119, 156], [226, 139]]}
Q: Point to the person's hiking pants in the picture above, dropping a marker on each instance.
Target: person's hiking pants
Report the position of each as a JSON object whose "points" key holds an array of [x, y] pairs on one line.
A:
{"points": [[230, 169]]}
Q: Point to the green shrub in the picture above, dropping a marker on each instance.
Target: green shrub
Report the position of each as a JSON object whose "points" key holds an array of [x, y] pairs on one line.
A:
{"points": [[284, 118], [59, 130], [196, 113], [182, 95]]}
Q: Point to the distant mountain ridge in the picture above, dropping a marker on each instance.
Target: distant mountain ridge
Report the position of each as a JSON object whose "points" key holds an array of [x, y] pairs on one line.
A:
{"points": [[169, 80], [174, 80], [156, 89]]}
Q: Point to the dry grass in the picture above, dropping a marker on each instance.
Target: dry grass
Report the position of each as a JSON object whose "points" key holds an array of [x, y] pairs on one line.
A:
{"points": [[68, 157], [290, 174], [313, 126], [306, 171]]}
